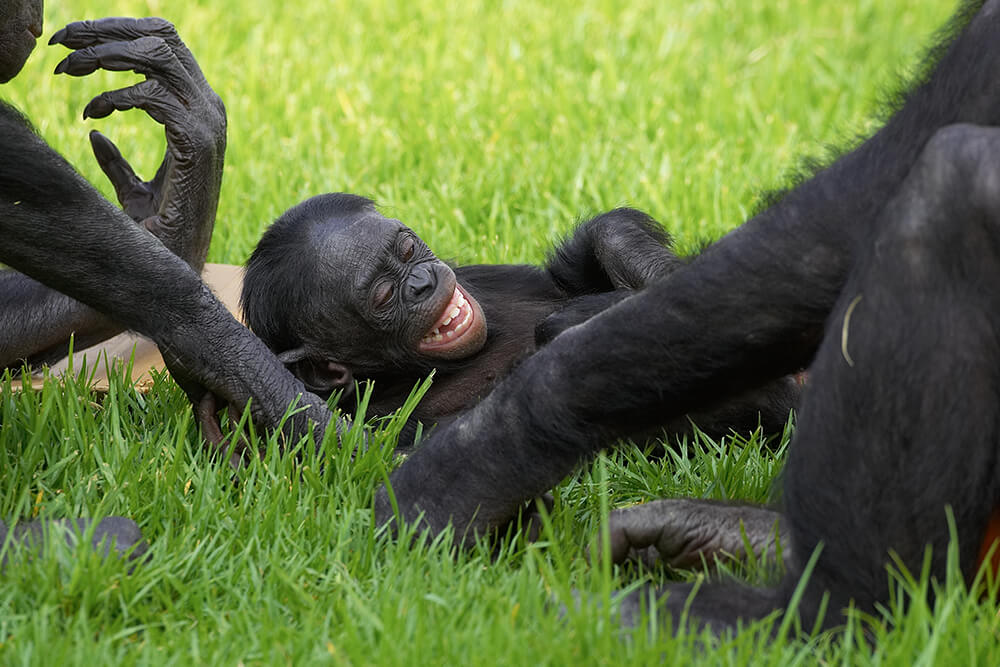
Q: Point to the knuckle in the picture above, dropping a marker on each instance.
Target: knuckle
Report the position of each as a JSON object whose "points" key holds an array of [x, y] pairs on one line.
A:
{"points": [[152, 45], [161, 26]]}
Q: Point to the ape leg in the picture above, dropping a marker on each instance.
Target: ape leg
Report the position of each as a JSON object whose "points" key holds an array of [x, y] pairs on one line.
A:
{"points": [[910, 364], [749, 309], [683, 532], [38, 322], [902, 407]]}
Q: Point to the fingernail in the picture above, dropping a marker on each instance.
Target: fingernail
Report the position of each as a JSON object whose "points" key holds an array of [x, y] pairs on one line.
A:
{"points": [[58, 37], [98, 108], [62, 66]]}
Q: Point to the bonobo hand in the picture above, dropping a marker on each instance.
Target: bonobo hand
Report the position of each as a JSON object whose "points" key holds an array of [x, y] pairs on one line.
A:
{"points": [[217, 361], [178, 205], [681, 532]]}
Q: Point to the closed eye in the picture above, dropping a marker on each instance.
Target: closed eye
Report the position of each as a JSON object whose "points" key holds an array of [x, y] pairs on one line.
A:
{"points": [[382, 294], [407, 248]]}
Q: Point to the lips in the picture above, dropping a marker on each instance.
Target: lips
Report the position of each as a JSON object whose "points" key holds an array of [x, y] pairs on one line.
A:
{"points": [[455, 319], [460, 330]]}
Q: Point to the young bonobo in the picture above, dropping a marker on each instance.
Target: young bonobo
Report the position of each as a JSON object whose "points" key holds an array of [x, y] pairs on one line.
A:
{"points": [[343, 294]]}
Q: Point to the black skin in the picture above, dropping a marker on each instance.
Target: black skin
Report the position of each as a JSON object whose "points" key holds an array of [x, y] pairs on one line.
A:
{"points": [[880, 274], [343, 294], [55, 228]]}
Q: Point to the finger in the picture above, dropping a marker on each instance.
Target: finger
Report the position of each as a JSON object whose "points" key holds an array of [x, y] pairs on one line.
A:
{"points": [[206, 415], [82, 34], [150, 56], [150, 95], [629, 529], [114, 166]]}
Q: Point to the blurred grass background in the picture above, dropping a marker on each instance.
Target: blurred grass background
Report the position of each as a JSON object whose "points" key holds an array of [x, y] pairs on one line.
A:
{"points": [[490, 128]]}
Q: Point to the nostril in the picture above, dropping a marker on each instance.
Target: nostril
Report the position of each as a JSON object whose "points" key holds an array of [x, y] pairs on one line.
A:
{"points": [[420, 283]]}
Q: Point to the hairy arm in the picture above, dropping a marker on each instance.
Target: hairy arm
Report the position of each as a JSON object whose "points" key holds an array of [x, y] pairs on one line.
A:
{"points": [[177, 206]]}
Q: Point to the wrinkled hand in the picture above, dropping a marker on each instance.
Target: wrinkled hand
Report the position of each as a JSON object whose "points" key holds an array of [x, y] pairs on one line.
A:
{"points": [[684, 532], [218, 362], [178, 205]]}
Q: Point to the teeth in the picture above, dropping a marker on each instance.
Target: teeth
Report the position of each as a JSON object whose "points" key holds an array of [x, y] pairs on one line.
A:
{"points": [[458, 304]]}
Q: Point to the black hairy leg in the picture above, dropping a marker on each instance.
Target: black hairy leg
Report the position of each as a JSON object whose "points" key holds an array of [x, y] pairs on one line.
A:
{"points": [[58, 230]]}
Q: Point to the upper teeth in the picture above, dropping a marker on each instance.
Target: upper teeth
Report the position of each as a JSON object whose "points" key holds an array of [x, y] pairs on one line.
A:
{"points": [[458, 304]]}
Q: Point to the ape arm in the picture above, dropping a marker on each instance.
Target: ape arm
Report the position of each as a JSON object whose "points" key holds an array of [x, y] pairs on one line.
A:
{"points": [[623, 248], [603, 262], [178, 206], [102, 258]]}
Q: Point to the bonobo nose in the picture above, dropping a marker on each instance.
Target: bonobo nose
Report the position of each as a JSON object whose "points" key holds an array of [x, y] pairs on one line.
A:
{"points": [[421, 282]]}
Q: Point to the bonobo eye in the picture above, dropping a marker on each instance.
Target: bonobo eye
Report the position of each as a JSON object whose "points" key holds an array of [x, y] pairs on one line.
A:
{"points": [[382, 294], [407, 248]]}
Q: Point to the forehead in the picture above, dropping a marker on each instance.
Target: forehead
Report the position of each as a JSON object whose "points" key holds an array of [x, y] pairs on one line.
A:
{"points": [[361, 234], [350, 248]]}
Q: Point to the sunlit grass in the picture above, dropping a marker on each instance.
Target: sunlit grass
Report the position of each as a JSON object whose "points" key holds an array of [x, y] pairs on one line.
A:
{"points": [[490, 128]]}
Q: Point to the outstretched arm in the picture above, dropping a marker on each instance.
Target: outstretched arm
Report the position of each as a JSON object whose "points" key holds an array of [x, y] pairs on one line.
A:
{"points": [[177, 206]]}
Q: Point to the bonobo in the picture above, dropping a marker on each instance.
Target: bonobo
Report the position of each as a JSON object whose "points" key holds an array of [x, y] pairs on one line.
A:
{"points": [[55, 228], [882, 274], [343, 293]]}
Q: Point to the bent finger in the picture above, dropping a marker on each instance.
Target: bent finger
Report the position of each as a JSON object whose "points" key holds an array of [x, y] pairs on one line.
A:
{"points": [[151, 96], [150, 56], [83, 34]]}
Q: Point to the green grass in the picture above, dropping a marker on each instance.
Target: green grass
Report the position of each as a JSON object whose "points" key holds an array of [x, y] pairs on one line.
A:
{"points": [[489, 127]]}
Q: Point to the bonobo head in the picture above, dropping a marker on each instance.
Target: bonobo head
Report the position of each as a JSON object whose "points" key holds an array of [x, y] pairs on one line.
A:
{"points": [[337, 289], [20, 26]]}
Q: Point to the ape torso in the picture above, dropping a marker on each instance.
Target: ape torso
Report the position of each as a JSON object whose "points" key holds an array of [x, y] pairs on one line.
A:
{"points": [[515, 300]]}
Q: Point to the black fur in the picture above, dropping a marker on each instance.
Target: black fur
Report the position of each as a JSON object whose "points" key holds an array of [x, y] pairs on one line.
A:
{"points": [[57, 230], [306, 288], [880, 273]]}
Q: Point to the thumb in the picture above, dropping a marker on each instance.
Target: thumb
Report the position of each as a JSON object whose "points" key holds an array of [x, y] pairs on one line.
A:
{"points": [[114, 166]]}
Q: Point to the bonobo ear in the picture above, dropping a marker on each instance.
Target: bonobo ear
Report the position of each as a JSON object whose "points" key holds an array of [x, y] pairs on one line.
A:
{"points": [[318, 375]]}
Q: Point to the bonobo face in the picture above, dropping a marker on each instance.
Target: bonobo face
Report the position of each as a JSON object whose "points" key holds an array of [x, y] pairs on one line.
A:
{"points": [[394, 297], [20, 26]]}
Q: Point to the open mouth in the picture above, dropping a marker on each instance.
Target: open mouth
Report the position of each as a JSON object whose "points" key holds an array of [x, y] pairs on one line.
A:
{"points": [[454, 321], [459, 331]]}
